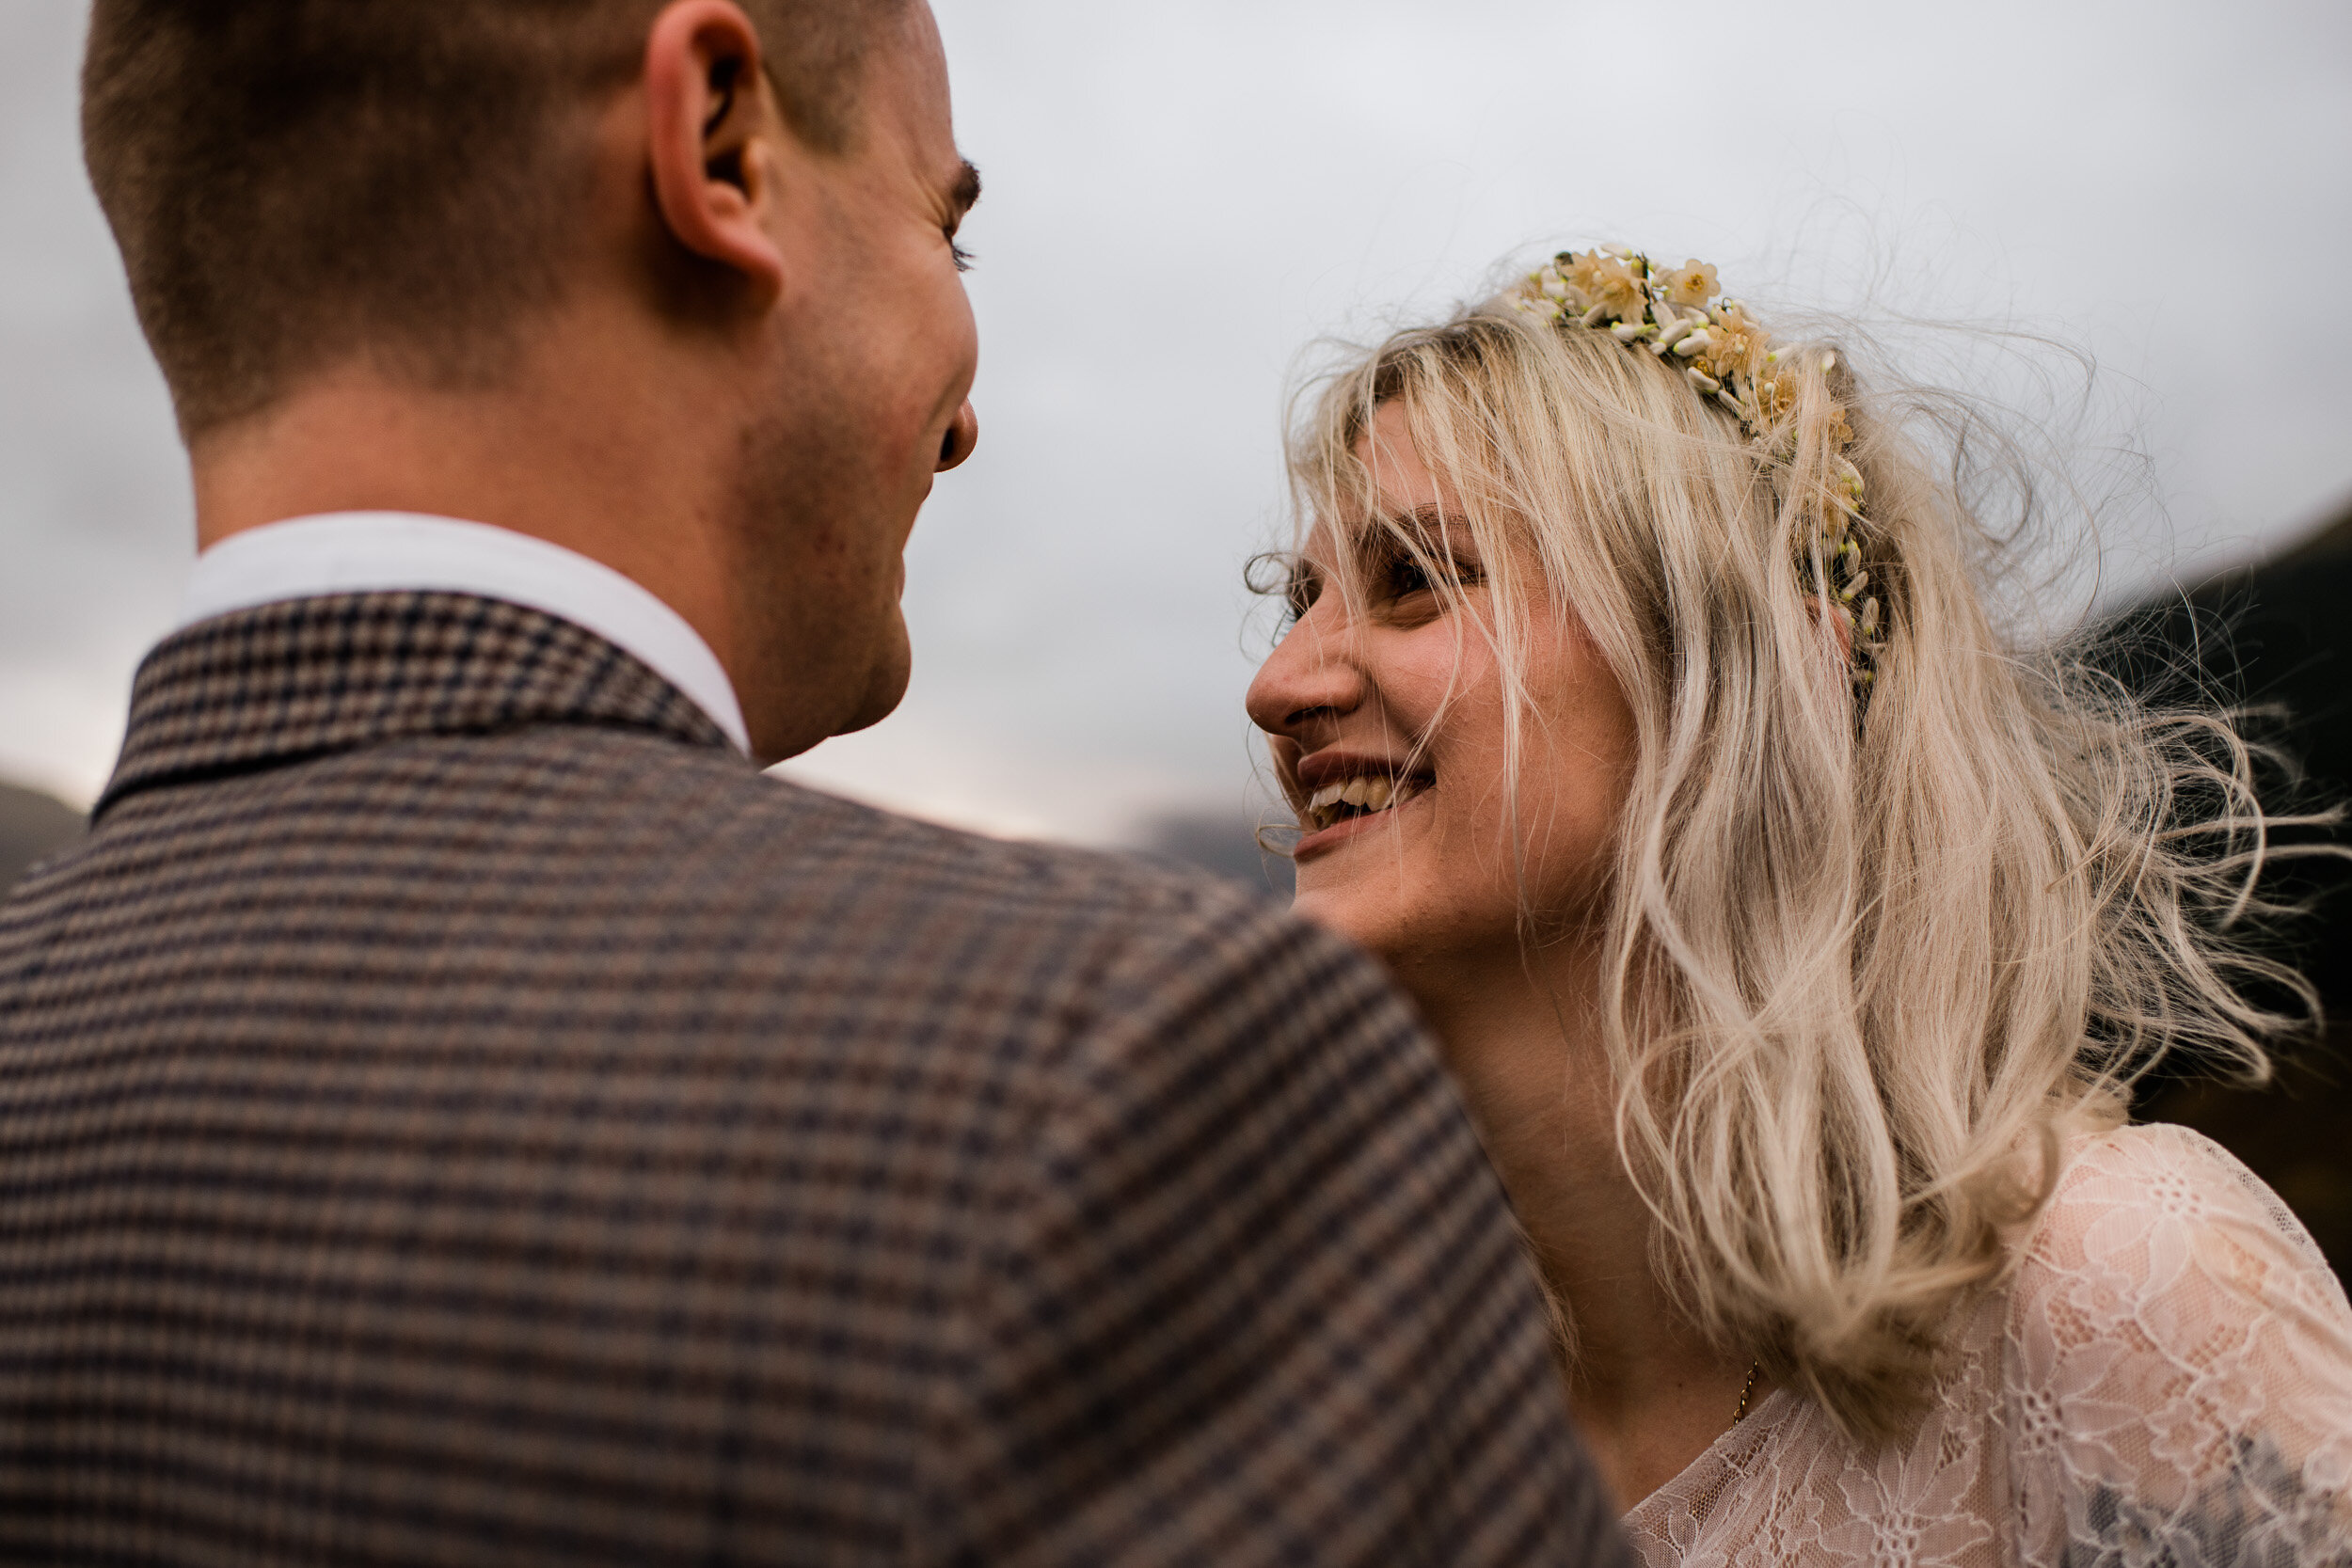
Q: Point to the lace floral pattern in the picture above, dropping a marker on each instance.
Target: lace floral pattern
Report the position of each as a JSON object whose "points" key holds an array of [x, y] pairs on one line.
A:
{"points": [[2164, 1381]]}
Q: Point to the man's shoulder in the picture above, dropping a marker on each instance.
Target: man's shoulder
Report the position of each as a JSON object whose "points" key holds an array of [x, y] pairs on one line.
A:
{"points": [[768, 838], [1139, 966], [600, 880], [691, 850], [554, 839]]}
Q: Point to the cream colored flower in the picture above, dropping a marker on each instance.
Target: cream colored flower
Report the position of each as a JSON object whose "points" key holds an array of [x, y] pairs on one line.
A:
{"points": [[1584, 273], [1607, 281], [1547, 293], [1694, 284], [1736, 343], [1618, 287], [1840, 432]]}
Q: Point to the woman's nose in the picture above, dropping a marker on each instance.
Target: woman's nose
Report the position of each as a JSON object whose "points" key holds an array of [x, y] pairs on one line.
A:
{"points": [[964, 433], [1311, 678]]}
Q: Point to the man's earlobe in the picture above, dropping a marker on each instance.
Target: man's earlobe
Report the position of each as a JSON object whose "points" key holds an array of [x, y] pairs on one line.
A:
{"points": [[707, 129]]}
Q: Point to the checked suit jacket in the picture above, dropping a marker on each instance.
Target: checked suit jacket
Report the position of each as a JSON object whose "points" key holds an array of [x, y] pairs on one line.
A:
{"points": [[454, 1110]]}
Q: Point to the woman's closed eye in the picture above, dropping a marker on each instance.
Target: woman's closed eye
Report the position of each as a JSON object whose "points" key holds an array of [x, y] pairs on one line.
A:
{"points": [[1400, 583], [1404, 576], [1416, 582]]}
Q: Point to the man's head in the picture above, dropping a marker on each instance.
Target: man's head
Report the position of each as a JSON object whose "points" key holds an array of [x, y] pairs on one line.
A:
{"points": [[722, 231]]}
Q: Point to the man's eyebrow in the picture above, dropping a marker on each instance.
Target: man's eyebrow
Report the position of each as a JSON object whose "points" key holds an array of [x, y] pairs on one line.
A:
{"points": [[966, 193]]}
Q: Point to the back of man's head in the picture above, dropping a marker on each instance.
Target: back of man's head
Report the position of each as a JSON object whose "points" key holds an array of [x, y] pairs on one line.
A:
{"points": [[295, 184]]}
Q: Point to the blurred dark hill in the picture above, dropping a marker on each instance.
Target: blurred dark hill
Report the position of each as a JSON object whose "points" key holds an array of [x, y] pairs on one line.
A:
{"points": [[1225, 845], [2277, 636], [31, 824]]}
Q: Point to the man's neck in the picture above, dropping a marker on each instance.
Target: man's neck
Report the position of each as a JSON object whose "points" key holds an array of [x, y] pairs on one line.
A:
{"points": [[618, 476]]}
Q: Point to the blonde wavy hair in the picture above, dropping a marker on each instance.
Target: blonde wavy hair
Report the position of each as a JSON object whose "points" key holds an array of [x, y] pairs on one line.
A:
{"points": [[1872, 951]]}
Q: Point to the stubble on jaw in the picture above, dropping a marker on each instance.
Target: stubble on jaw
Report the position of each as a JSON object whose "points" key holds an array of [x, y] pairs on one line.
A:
{"points": [[831, 467], [816, 580]]}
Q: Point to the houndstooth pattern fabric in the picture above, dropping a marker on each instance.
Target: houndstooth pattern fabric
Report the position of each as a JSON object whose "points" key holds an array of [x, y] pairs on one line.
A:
{"points": [[453, 1111]]}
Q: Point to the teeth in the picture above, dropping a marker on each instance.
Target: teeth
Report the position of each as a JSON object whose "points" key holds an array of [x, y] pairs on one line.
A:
{"points": [[1366, 794]]}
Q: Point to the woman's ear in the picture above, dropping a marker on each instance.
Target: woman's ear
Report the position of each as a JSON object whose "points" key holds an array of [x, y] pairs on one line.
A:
{"points": [[711, 138]]}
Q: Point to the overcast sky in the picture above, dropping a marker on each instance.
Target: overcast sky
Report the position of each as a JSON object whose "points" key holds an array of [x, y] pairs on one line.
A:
{"points": [[1181, 196]]}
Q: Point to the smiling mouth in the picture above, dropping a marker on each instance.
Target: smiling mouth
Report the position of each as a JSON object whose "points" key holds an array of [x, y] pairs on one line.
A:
{"points": [[1366, 796]]}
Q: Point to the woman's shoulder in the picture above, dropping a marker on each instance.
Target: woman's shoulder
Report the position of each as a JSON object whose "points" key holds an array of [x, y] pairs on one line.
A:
{"points": [[2166, 1284], [2165, 1195], [2171, 1181], [2151, 1216], [2177, 1362]]}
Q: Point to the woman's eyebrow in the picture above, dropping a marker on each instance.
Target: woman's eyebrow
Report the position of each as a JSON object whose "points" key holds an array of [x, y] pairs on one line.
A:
{"points": [[1432, 527], [1428, 517]]}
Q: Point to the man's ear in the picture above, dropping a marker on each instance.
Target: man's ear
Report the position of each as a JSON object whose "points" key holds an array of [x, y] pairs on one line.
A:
{"points": [[711, 138]]}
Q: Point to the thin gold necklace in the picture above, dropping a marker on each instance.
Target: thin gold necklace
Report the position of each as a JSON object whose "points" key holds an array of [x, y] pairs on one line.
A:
{"points": [[1746, 1390]]}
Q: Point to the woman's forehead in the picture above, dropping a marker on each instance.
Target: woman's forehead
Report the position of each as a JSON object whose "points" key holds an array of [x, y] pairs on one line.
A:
{"points": [[1393, 458]]}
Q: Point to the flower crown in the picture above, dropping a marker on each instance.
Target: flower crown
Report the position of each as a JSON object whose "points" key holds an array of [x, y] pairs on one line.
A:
{"points": [[1728, 355]]}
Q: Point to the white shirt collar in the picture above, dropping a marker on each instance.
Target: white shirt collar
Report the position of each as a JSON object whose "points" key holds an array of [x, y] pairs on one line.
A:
{"points": [[363, 552]]}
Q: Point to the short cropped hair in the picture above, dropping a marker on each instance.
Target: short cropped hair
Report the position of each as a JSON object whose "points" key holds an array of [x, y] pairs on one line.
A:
{"points": [[297, 183]]}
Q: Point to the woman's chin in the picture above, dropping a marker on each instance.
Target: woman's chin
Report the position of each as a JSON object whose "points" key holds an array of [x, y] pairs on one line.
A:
{"points": [[1347, 917], [1366, 903]]}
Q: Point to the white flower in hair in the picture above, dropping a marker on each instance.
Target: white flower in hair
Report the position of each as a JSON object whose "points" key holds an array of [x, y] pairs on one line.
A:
{"points": [[1611, 286], [1735, 342], [1693, 284]]}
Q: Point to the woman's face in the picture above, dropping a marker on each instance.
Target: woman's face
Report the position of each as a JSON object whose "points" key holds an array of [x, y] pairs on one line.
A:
{"points": [[1385, 710]]}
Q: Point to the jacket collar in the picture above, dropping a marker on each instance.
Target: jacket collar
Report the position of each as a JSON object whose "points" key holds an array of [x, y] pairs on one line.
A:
{"points": [[309, 677]]}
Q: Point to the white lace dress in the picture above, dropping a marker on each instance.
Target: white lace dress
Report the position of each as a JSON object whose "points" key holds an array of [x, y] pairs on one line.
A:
{"points": [[2166, 1380]]}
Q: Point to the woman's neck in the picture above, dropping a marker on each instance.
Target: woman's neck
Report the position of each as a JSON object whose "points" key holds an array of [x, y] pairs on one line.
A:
{"points": [[1523, 1042]]}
